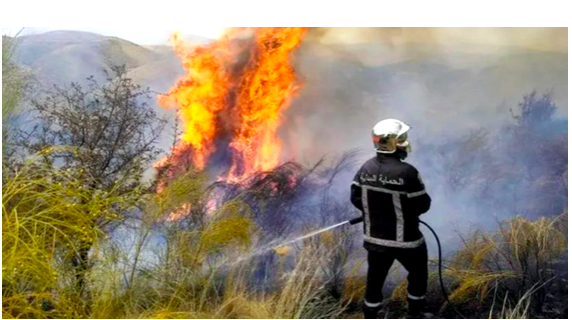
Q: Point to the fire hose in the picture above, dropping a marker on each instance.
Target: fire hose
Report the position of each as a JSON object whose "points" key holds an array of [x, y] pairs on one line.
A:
{"points": [[440, 264]]}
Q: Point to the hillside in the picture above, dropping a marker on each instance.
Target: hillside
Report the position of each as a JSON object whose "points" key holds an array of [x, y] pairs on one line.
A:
{"points": [[60, 57]]}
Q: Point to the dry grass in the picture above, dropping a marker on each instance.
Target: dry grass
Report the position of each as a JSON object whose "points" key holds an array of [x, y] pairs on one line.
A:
{"points": [[354, 284], [204, 266], [46, 216], [518, 257], [506, 270]]}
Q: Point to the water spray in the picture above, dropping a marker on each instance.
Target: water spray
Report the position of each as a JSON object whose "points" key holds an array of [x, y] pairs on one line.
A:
{"points": [[283, 250]]}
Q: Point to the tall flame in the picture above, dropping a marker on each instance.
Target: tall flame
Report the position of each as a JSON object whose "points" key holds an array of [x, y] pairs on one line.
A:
{"points": [[219, 98], [265, 93], [200, 95]]}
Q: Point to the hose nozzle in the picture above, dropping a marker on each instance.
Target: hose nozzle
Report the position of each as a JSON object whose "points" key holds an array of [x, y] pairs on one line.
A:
{"points": [[356, 220]]}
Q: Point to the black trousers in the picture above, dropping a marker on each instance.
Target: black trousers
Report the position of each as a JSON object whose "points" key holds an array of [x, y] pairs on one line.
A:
{"points": [[414, 260]]}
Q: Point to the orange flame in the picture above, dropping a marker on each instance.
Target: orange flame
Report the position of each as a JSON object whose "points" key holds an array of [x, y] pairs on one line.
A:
{"points": [[265, 93], [179, 213], [217, 96], [200, 95]]}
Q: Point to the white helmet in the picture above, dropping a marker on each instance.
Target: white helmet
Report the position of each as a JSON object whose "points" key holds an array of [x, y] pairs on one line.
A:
{"points": [[389, 134]]}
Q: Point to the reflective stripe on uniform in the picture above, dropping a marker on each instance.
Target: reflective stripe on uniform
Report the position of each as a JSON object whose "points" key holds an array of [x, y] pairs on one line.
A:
{"points": [[399, 242], [384, 190], [372, 305], [394, 244], [398, 217], [412, 297], [365, 206], [416, 194]]}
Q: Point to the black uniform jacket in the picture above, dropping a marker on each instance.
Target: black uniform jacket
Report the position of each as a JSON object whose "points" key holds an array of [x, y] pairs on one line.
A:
{"points": [[391, 196]]}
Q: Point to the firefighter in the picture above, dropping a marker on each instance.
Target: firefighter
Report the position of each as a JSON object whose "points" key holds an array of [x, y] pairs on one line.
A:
{"points": [[391, 195]]}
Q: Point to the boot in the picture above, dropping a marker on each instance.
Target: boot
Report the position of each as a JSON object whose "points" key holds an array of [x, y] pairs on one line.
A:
{"points": [[416, 309], [370, 313]]}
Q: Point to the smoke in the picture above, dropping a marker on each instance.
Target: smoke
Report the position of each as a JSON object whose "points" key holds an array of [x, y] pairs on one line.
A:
{"points": [[474, 39], [442, 81], [456, 87]]}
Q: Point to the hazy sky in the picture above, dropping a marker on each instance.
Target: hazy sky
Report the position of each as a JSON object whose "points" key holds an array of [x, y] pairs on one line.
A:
{"points": [[547, 39], [143, 36]]}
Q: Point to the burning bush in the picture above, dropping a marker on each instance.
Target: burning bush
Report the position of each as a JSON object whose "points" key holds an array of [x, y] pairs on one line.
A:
{"points": [[232, 104]]}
